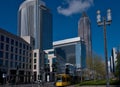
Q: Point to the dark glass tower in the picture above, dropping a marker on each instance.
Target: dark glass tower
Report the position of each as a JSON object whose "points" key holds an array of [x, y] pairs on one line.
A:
{"points": [[84, 32]]}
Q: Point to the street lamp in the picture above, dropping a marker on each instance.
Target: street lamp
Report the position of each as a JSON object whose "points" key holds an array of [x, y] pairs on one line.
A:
{"points": [[104, 22]]}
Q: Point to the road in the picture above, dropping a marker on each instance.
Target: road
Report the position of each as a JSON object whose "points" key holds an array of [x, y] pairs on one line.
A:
{"points": [[49, 85]]}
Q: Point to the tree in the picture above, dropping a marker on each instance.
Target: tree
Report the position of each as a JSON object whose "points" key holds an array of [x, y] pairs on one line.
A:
{"points": [[99, 67], [95, 67], [117, 73]]}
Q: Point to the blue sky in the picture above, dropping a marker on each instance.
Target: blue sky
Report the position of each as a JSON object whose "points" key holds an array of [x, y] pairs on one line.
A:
{"points": [[66, 14]]}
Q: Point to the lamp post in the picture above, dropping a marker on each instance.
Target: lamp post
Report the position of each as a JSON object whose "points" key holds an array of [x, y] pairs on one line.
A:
{"points": [[104, 22]]}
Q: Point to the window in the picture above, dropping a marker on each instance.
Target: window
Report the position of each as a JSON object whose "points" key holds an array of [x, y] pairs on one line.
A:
{"points": [[16, 57], [20, 45], [6, 63], [16, 50], [20, 58], [11, 64], [12, 48], [23, 65], [23, 59], [34, 60], [20, 51], [7, 40], [1, 61], [30, 60], [30, 66], [30, 48], [6, 55], [24, 52], [1, 46], [1, 54], [23, 46], [2, 38], [27, 47], [51, 52], [12, 57], [16, 43], [26, 60], [35, 54], [12, 42], [16, 64], [26, 66], [34, 66], [7, 47], [30, 54]]}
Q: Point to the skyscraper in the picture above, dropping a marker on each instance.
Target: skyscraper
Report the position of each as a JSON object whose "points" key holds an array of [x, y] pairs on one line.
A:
{"points": [[35, 20], [84, 31]]}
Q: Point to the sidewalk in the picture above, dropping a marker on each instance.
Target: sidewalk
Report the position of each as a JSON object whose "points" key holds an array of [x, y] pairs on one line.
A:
{"points": [[95, 86]]}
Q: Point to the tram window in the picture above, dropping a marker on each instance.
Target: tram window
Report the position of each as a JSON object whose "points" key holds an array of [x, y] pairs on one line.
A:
{"points": [[63, 79], [59, 79]]}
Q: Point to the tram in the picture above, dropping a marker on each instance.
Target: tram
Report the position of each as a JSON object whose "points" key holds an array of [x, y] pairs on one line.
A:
{"points": [[63, 80]]}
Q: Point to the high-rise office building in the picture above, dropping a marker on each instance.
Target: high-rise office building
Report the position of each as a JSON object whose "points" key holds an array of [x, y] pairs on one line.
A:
{"points": [[84, 31], [35, 20]]}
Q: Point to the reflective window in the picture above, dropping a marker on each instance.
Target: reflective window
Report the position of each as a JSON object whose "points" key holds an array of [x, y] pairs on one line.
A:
{"points": [[23, 46], [16, 43], [11, 64], [24, 59], [6, 63], [12, 48], [2, 38], [12, 57], [20, 45], [23, 65], [7, 40], [1, 61], [16, 50], [20, 51], [20, 58], [1, 54], [6, 55], [16, 64], [16, 57], [12, 42], [24, 52], [1, 46], [7, 47]]}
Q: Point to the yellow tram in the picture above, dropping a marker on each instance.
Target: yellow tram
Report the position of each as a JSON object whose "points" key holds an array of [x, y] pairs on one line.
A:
{"points": [[63, 80]]}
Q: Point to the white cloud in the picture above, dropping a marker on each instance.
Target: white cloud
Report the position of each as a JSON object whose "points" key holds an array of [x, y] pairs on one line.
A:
{"points": [[74, 7]]}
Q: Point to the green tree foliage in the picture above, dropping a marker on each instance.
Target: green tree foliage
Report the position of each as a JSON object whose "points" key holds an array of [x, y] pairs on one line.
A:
{"points": [[118, 66], [96, 66], [99, 67]]}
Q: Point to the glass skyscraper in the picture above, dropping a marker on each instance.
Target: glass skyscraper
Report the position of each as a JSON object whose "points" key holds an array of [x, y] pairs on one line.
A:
{"points": [[71, 51], [35, 20], [84, 31]]}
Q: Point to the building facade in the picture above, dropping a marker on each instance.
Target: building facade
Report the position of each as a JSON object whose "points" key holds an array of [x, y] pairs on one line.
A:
{"points": [[113, 60], [70, 51], [52, 62], [35, 20], [84, 32], [39, 61], [15, 58]]}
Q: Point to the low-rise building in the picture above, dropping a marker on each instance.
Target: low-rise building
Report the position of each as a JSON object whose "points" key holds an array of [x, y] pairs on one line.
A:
{"points": [[70, 51], [15, 58]]}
